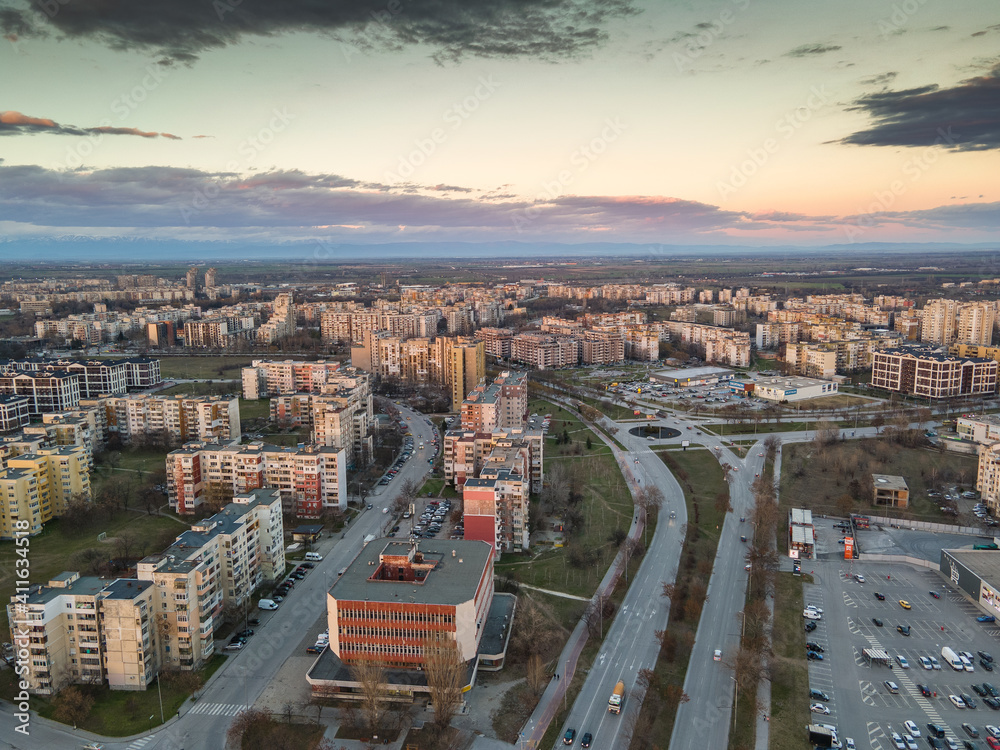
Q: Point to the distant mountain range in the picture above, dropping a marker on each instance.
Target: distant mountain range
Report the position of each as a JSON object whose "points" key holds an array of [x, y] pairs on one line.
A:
{"points": [[79, 249]]}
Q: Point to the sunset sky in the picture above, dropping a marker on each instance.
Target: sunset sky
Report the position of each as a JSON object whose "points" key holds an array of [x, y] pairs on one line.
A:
{"points": [[735, 121]]}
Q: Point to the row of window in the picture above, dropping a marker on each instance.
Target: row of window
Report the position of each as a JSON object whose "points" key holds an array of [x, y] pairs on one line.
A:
{"points": [[406, 616]]}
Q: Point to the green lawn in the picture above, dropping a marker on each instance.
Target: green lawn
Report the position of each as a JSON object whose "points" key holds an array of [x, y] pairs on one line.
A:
{"points": [[51, 551], [204, 367], [259, 409], [790, 679], [606, 506], [433, 486]]}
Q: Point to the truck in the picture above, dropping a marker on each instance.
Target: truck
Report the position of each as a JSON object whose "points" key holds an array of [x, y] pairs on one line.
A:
{"points": [[369, 538], [821, 736], [953, 659], [617, 696]]}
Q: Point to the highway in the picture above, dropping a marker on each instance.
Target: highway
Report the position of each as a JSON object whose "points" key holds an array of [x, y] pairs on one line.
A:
{"points": [[203, 723], [631, 644]]}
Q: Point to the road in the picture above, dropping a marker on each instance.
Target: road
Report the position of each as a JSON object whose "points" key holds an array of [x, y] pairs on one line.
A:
{"points": [[202, 724], [631, 643]]}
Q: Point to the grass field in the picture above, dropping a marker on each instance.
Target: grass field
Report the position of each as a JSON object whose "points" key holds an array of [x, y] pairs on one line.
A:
{"points": [[820, 478], [217, 388], [227, 368], [51, 552], [250, 410]]}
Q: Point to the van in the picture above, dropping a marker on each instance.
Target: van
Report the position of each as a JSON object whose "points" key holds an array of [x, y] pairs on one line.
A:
{"points": [[314, 556], [267, 604]]}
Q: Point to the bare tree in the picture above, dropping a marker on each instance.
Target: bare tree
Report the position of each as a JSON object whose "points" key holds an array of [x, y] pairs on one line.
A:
{"points": [[249, 730], [73, 706], [446, 672], [535, 674], [370, 676]]}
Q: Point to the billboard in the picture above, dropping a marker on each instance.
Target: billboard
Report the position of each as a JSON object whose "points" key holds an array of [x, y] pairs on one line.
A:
{"points": [[849, 548]]}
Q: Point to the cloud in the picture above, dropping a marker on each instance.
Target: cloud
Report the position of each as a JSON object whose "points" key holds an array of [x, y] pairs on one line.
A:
{"points": [[881, 79], [280, 206], [15, 123], [964, 117], [180, 30], [808, 50]]}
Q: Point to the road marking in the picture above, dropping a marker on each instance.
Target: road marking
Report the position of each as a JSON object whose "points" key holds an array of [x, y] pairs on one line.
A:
{"points": [[875, 733], [217, 709], [140, 742]]}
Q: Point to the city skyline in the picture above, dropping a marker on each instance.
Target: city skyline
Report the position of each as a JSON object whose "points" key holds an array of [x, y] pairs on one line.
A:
{"points": [[571, 121]]}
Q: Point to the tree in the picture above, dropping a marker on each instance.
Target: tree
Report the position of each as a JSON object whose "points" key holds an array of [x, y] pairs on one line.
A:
{"points": [[216, 496], [534, 674], [126, 546], [73, 706], [249, 730], [370, 676], [446, 671]]}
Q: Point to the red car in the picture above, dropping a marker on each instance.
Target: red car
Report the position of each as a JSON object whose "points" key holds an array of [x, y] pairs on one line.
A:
{"points": [[993, 742]]}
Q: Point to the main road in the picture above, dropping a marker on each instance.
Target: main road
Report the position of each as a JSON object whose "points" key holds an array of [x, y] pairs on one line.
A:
{"points": [[202, 724], [631, 644]]}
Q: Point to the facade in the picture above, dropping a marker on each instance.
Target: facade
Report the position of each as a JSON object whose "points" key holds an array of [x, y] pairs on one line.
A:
{"points": [[177, 418], [466, 453], [930, 374], [312, 479], [14, 412], [692, 376], [281, 323], [801, 534], [393, 601], [500, 405], [976, 322], [37, 486], [984, 430], [781, 389], [467, 363], [988, 477], [890, 491], [976, 573], [45, 392], [273, 377]]}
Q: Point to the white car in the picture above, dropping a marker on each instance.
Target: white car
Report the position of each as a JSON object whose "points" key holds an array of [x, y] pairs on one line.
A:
{"points": [[902, 661], [912, 728], [956, 701], [814, 608], [849, 744], [859, 578], [935, 663], [993, 731], [911, 744], [819, 708], [811, 614], [717, 656], [897, 740], [925, 663]]}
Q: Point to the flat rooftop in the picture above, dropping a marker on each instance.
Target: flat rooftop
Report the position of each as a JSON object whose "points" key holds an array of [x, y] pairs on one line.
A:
{"points": [[983, 562], [458, 568], [889, 482], [691, 373], [783, 381]]}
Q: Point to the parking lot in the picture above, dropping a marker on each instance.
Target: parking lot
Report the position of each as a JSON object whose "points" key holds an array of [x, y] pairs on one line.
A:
{"points": [[861, 706]]}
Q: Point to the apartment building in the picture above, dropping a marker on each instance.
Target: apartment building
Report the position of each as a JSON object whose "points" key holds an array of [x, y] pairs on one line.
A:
{"points": [[94, 377], [449, 596], [601, 347], [543, 352], [37, 486], [500, 405], [467, 363], [496, 341], [273, 377], [495, 504], [218, 333], [938, 322], [642, 344], [976, 322], [338, 420], [175, 418], [975, 351], [14, 412], [281, 324], [349, 327], [465, 453], [312, 479], [45, 392], [988, 477], [772, 335], [927, 373]]}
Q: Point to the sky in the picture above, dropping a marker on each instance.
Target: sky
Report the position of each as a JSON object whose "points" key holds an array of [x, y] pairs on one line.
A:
{"points": [[750, 122]]}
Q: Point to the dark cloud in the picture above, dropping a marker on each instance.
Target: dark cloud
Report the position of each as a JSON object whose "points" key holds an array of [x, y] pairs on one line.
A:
{"points": [[987, 30], [880, 80], [15, 123], [180, 30], [964, 117], [808, 50]]}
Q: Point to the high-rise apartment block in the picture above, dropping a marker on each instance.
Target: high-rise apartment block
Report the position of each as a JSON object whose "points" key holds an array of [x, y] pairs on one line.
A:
{"points": [[500, 405], [37, 486], [312, 479], [177, 418], [924, 372]]}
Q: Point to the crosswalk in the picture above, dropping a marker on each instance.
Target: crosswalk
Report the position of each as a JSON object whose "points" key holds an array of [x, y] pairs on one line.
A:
{"points": [[141, 742], [217, 709]]}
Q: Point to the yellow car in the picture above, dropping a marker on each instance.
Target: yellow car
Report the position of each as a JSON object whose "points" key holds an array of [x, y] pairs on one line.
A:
{"points": [[904, 604]]}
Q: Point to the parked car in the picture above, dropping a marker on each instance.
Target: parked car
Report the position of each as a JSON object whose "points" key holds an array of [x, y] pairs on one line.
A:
{"points": [[904, 604], [810, 626], [924, 691], [935, 594], [986, 618], [956, 701], [903, 630], [813, 656], [819, 708], [877, 621], [880, 597], [812, 646]]}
